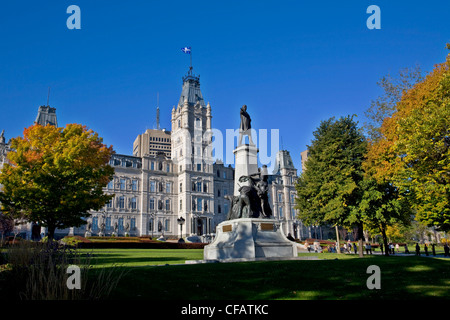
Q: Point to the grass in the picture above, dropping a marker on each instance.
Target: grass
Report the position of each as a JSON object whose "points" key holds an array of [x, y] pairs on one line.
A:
{"points": [[142, 257], [336, 277], [333, 277]]}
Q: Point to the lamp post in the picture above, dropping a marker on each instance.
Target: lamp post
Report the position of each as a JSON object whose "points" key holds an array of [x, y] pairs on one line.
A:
{"points": [[181, 221]]}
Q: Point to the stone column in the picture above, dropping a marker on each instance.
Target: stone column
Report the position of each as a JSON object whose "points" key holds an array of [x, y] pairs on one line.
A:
{"points": [[246, 164]]}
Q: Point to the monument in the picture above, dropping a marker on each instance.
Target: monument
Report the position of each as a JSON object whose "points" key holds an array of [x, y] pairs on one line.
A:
{"points": [[250, 232]]}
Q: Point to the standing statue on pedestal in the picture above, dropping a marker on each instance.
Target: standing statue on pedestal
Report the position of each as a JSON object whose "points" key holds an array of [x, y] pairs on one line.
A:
{"points": [[245, 127]]}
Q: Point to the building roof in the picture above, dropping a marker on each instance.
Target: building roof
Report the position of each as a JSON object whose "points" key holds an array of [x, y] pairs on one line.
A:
{"points": [[191, 90], [283, 160], [46, 115]]}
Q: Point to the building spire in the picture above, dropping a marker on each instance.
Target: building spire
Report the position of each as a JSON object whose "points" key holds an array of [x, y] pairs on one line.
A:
{"points": [[157, 112]]}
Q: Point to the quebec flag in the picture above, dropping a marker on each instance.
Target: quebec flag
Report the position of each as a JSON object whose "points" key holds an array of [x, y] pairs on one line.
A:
{"points": [[186, 50]]}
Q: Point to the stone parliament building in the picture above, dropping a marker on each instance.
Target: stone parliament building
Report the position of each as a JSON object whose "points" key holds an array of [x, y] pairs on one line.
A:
{"points": [[170, 176]]}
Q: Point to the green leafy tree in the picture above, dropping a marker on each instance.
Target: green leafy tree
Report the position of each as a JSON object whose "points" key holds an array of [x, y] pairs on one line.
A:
{"points": [[329, 192], [54, 176]]}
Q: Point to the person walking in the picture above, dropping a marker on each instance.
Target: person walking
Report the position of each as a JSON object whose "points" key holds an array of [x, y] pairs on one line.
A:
{"points": [[433, 249], [397, 247], [417, 250], [446, 250], [355, 249], [406, 248], [381, 248], [425, 248]]}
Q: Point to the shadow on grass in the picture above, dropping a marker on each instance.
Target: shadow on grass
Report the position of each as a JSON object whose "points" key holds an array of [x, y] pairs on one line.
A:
{"points": [[401, 278]]}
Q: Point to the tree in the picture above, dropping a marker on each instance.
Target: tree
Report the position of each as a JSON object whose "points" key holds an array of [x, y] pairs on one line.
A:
{"points": [[56, 175], [385, 105], [382, 207], [328, 191], [413, 151]]}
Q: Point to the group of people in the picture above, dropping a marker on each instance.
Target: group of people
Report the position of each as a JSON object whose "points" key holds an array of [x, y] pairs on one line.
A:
{"points": [[348, 247]]}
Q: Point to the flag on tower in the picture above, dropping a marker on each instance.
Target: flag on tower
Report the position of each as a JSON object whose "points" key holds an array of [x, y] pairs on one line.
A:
{"points": [[186, 50]]}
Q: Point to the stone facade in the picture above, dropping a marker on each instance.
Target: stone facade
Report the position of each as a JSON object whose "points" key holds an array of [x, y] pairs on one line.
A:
{"points": [[171, 174]]}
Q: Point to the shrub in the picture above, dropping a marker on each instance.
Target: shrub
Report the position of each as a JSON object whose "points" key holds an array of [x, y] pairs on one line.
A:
{"points": [[39, 272]]}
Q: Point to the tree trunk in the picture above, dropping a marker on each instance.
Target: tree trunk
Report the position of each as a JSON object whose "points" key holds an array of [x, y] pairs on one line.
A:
{"points": [[360, 240], [338, 249], [385, 240], [51, 232]]}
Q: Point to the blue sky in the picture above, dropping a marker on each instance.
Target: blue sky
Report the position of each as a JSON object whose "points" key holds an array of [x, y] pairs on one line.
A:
{"points": [[293, 63]]}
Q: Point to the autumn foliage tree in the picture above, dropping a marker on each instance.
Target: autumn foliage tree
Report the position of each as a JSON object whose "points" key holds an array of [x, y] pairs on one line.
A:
{"points": [[413, 151], [56, 175]]}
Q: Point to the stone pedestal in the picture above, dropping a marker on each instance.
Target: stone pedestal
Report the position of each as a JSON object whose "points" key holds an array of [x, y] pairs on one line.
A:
{"points": [[246, 163], [250, 238]]}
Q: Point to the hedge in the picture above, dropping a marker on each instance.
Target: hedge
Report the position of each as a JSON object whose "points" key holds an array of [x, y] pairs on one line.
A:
{"points": [[140, 245]]}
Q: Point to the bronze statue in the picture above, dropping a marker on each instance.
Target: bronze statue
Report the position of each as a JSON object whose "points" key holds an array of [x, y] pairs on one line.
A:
{"points": [[245, 127], [252, 201]]}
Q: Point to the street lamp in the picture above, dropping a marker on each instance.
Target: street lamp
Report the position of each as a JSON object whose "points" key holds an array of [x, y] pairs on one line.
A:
{"points": [[181, 221]]}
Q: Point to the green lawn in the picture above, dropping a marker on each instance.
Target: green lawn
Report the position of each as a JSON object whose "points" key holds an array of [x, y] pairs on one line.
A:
{"points": [[142, 257], [332, 277]]}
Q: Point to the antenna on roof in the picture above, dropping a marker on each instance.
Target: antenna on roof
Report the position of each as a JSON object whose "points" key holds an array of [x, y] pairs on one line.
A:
{"points": [[157, 111], [48, 96]]}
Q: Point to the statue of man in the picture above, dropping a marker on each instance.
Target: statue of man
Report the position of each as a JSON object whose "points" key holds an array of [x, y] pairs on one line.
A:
{"points": [[2, 136], [245, 127]]}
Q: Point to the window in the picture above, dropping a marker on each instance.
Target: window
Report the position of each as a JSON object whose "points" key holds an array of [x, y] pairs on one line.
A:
{"points": [[218, 192], [152, 204], [219, 209], [224, 174], [181, 187], [166, 224], [205, 187], [205, 206], [111, 184], [168, 167], [280, 197], [109, 204], [121, 202], [94, 224], [152, 165], [199, 167], [152, 186], [280, 212], [150, 224], [133, 203], [160, 187], [133, 224], [225, 207], [168, 187], [199, 187], [167, 204], [122, 184], [199, 204], [120, 224], [193, 186], [193, 204], [292, 198], [181, 205], [225, 192], [218, 173], [134, 185], [293, 213], [108, 223]]}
